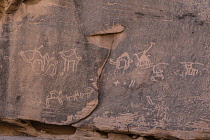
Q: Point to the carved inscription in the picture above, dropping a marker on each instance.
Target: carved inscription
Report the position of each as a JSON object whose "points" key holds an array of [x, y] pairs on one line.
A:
{"points": [[69, 57], [143, 61], [60, 97], [40, 63]]}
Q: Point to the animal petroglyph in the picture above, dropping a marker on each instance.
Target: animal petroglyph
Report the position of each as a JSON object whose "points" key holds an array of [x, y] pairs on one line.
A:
{"points": [[122, 62], [75, 96], [158, 72], [88, 92], [70, 56], [189, 68], [54, 95], [143, 61], [58, 95], [40, 63]]}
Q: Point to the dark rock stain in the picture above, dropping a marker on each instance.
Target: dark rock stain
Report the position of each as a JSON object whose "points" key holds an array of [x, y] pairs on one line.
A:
{"points": [[186, 15]]}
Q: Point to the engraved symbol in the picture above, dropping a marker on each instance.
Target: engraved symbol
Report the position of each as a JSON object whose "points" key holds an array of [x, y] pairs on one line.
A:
{"points": [[189, 68], [117, 83], [7, 58], [70, 56], [40, 63], [88, 92], [158, 72], [74, 96], [143, 61], [132, 83], [149, 100], [54, 95], [122, 62]]}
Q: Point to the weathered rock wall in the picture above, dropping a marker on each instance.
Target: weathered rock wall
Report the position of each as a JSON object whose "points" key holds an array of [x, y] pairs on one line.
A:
{"points": [[137, 67]]}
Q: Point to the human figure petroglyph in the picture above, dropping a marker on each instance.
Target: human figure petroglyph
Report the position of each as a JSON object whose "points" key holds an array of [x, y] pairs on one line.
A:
{"points": [[122, 62], [54, 95], [70, 56], [40, 63], [75, 96], [143, 61], [189, 68], [158, 72]]}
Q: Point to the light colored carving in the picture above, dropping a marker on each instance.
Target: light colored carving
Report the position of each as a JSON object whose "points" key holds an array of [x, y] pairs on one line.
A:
{"points": [[149, 100], [75, 96], [54, 95], [132, 83], [143, 61], [116, 83], [189, 68], [122, 62], [42, 63], [88, 92], [158, 72], [80, 95], [70, 56]]}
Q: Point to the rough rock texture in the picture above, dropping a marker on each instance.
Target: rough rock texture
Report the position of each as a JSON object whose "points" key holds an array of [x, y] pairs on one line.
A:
{"points": [[137, 67]]}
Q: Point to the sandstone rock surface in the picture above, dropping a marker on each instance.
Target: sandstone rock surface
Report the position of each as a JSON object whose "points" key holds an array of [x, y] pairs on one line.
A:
{"points": [[134, 67]]}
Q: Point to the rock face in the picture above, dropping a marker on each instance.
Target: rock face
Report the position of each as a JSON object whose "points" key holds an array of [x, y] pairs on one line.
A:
{"points": [[135, 67]]}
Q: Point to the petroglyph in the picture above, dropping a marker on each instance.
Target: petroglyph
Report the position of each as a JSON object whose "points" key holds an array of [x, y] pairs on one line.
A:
{"points": [[143, 61], [122, 62], [158, 72], [70, 56], [116, 83], [149, 100], [131, 83], [54, 95], [7, 58], [75, 96], [40, 63], [189, 68], [88, 92]]}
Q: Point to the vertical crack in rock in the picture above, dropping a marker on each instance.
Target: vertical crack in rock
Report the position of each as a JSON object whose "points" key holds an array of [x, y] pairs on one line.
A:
{"points": [[112, 37]]}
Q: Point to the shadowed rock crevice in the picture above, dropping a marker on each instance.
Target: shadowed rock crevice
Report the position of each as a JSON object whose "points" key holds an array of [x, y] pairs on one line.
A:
{"points": [[109, 38], [31, 2]]}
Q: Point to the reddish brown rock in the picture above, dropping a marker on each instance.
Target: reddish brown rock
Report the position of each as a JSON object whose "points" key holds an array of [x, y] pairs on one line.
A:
{"points": [[138, 67]]}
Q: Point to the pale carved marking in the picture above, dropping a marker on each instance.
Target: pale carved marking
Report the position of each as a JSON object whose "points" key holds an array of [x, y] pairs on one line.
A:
{"points": [[132, 83], [70, 56], [122, 62], [40, 63], [54, 95], [75, 96], [149, 100], [189, 68], [158, 72], [143, 61], [116, 83], [88, 92]]}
